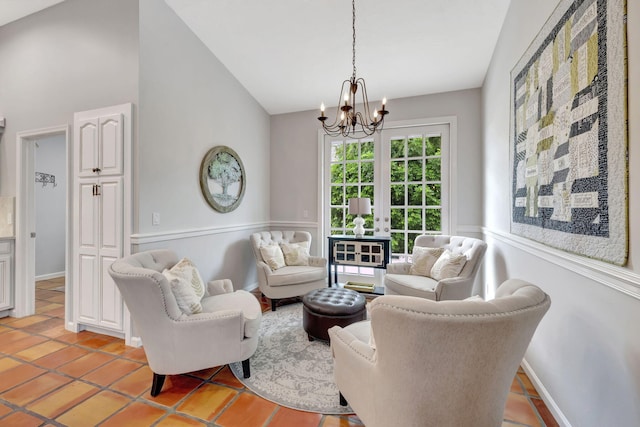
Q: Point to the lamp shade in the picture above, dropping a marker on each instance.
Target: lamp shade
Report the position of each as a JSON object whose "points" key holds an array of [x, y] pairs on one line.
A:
{"points": [[360, 206]]}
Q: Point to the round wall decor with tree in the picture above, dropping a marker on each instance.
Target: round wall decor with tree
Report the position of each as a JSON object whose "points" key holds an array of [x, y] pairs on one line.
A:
{"points": [[222, 178]]}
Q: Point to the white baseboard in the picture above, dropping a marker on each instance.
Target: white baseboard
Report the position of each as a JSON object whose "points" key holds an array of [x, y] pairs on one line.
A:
{"points": [[50, 276], [545, 396]]}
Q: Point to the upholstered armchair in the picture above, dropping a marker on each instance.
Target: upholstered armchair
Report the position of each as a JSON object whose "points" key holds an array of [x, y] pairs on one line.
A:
{"points": [[402, 279], [283, 279], [224, 331], [421, 363]]}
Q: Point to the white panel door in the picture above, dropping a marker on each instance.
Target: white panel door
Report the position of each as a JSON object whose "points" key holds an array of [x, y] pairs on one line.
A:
{"points": [[111, 216], [88, 251], [110, 131], [87, 147]]}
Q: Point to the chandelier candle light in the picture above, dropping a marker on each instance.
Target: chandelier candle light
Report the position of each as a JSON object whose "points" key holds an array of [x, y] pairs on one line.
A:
{"points": [[359, 206], [348, 120]]}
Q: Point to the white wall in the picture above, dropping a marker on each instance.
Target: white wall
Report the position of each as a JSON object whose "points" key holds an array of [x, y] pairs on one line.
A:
{"points": [[189, 103], [294, 157], [51, 224], [75, 56], [585, 355]]}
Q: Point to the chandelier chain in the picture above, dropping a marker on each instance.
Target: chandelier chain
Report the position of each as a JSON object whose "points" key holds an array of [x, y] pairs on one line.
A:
{"points": [[353, 26]]}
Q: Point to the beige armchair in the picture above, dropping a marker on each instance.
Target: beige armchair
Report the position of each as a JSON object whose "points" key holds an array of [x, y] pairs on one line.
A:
{"points": [[225, 331], [420, 363], [290, 280], [398, 279]]}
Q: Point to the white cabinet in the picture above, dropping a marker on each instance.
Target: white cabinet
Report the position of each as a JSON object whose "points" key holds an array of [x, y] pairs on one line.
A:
{"points": [[6, 279], [100, 146], [102, 186], [100, 243]]}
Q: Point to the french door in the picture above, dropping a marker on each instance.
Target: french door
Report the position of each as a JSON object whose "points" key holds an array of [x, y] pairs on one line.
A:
{"points": [[405, 173]]}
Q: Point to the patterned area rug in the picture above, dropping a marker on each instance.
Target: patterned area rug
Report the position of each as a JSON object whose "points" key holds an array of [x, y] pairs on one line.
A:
{"points": [[290, 370]]}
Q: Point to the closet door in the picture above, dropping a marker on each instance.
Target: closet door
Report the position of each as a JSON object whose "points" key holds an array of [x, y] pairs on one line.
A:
{"points": [[102, 166], [87, 301], [110, 228]]}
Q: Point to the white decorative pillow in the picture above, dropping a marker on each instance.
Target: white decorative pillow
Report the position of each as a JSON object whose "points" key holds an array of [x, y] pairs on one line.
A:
{"points": [[448, 265], [187, 286], [423, 259], [272, 255], [295, 253]]}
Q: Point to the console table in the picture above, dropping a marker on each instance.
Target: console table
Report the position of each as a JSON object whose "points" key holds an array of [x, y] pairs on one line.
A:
{"points": [[366, 251]]}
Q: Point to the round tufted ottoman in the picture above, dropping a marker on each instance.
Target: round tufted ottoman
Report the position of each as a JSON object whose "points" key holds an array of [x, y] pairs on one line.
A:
{"points": [[327, 307]]}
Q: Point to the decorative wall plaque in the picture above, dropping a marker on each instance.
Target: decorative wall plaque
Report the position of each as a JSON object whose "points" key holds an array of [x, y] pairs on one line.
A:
{"points": [[222, 178]]}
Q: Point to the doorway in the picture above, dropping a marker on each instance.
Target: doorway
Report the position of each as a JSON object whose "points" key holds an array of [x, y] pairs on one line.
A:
{"points": [[405, 171], [28, 196]]}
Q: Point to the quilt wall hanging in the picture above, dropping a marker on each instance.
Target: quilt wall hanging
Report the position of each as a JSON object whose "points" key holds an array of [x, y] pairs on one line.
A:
{"points": [[569, 132]]}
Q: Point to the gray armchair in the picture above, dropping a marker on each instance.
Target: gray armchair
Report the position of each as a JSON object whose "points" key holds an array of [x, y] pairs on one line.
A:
{"points": [[399, 281], [421, 363], [225, 331], [288, 281]]}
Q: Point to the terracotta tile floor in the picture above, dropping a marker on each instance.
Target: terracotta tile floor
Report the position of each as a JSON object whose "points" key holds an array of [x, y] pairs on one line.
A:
{"points": [[49, 376]]}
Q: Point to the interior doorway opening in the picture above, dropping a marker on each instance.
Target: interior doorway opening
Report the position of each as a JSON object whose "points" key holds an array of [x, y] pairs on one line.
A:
{"points": [[27, 199]]}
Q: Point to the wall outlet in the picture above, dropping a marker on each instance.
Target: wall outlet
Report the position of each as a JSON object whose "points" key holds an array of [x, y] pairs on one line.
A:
{"points": [[305, 214], [155, 218], [10, 218]]}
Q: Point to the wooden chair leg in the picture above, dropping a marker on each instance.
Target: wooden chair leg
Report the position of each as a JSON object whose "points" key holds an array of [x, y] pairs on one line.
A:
{"points": [[273, 304], [158, 382], [246, 369], [343, 401]]}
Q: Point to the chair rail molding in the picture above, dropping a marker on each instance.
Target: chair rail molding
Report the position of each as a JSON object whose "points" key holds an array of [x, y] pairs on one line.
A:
{"points": [[613, 276], [164, 236]]}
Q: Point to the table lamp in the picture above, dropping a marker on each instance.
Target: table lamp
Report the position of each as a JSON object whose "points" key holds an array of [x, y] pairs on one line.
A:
{"points": [[359, 206]]}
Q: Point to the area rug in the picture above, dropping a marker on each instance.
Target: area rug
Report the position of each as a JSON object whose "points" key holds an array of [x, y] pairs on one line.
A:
{"points": [[290, 370]]}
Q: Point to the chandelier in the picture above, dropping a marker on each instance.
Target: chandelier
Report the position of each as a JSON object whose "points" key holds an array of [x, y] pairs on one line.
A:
{"points": [[348, 120]]}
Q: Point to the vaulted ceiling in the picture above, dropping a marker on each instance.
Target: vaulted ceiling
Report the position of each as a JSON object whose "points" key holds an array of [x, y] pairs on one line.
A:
{"points": [[291, 55]]}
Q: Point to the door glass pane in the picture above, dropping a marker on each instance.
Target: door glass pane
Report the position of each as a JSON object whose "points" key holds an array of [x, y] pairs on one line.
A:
{"points": [[337, 195], [432, 220], [432, 169], [414, 219], [433, 194], [415, 194], [432, 146], [397, 219], [414, 170], [397, 171], [366, 172], [414, 146], [397, 148], [397, 194]]}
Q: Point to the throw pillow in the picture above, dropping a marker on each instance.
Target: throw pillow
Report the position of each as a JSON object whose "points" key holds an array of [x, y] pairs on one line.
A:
{"points": [[272, 255], [423, 259], [187, 286], [448, 265], [295, 253]]}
